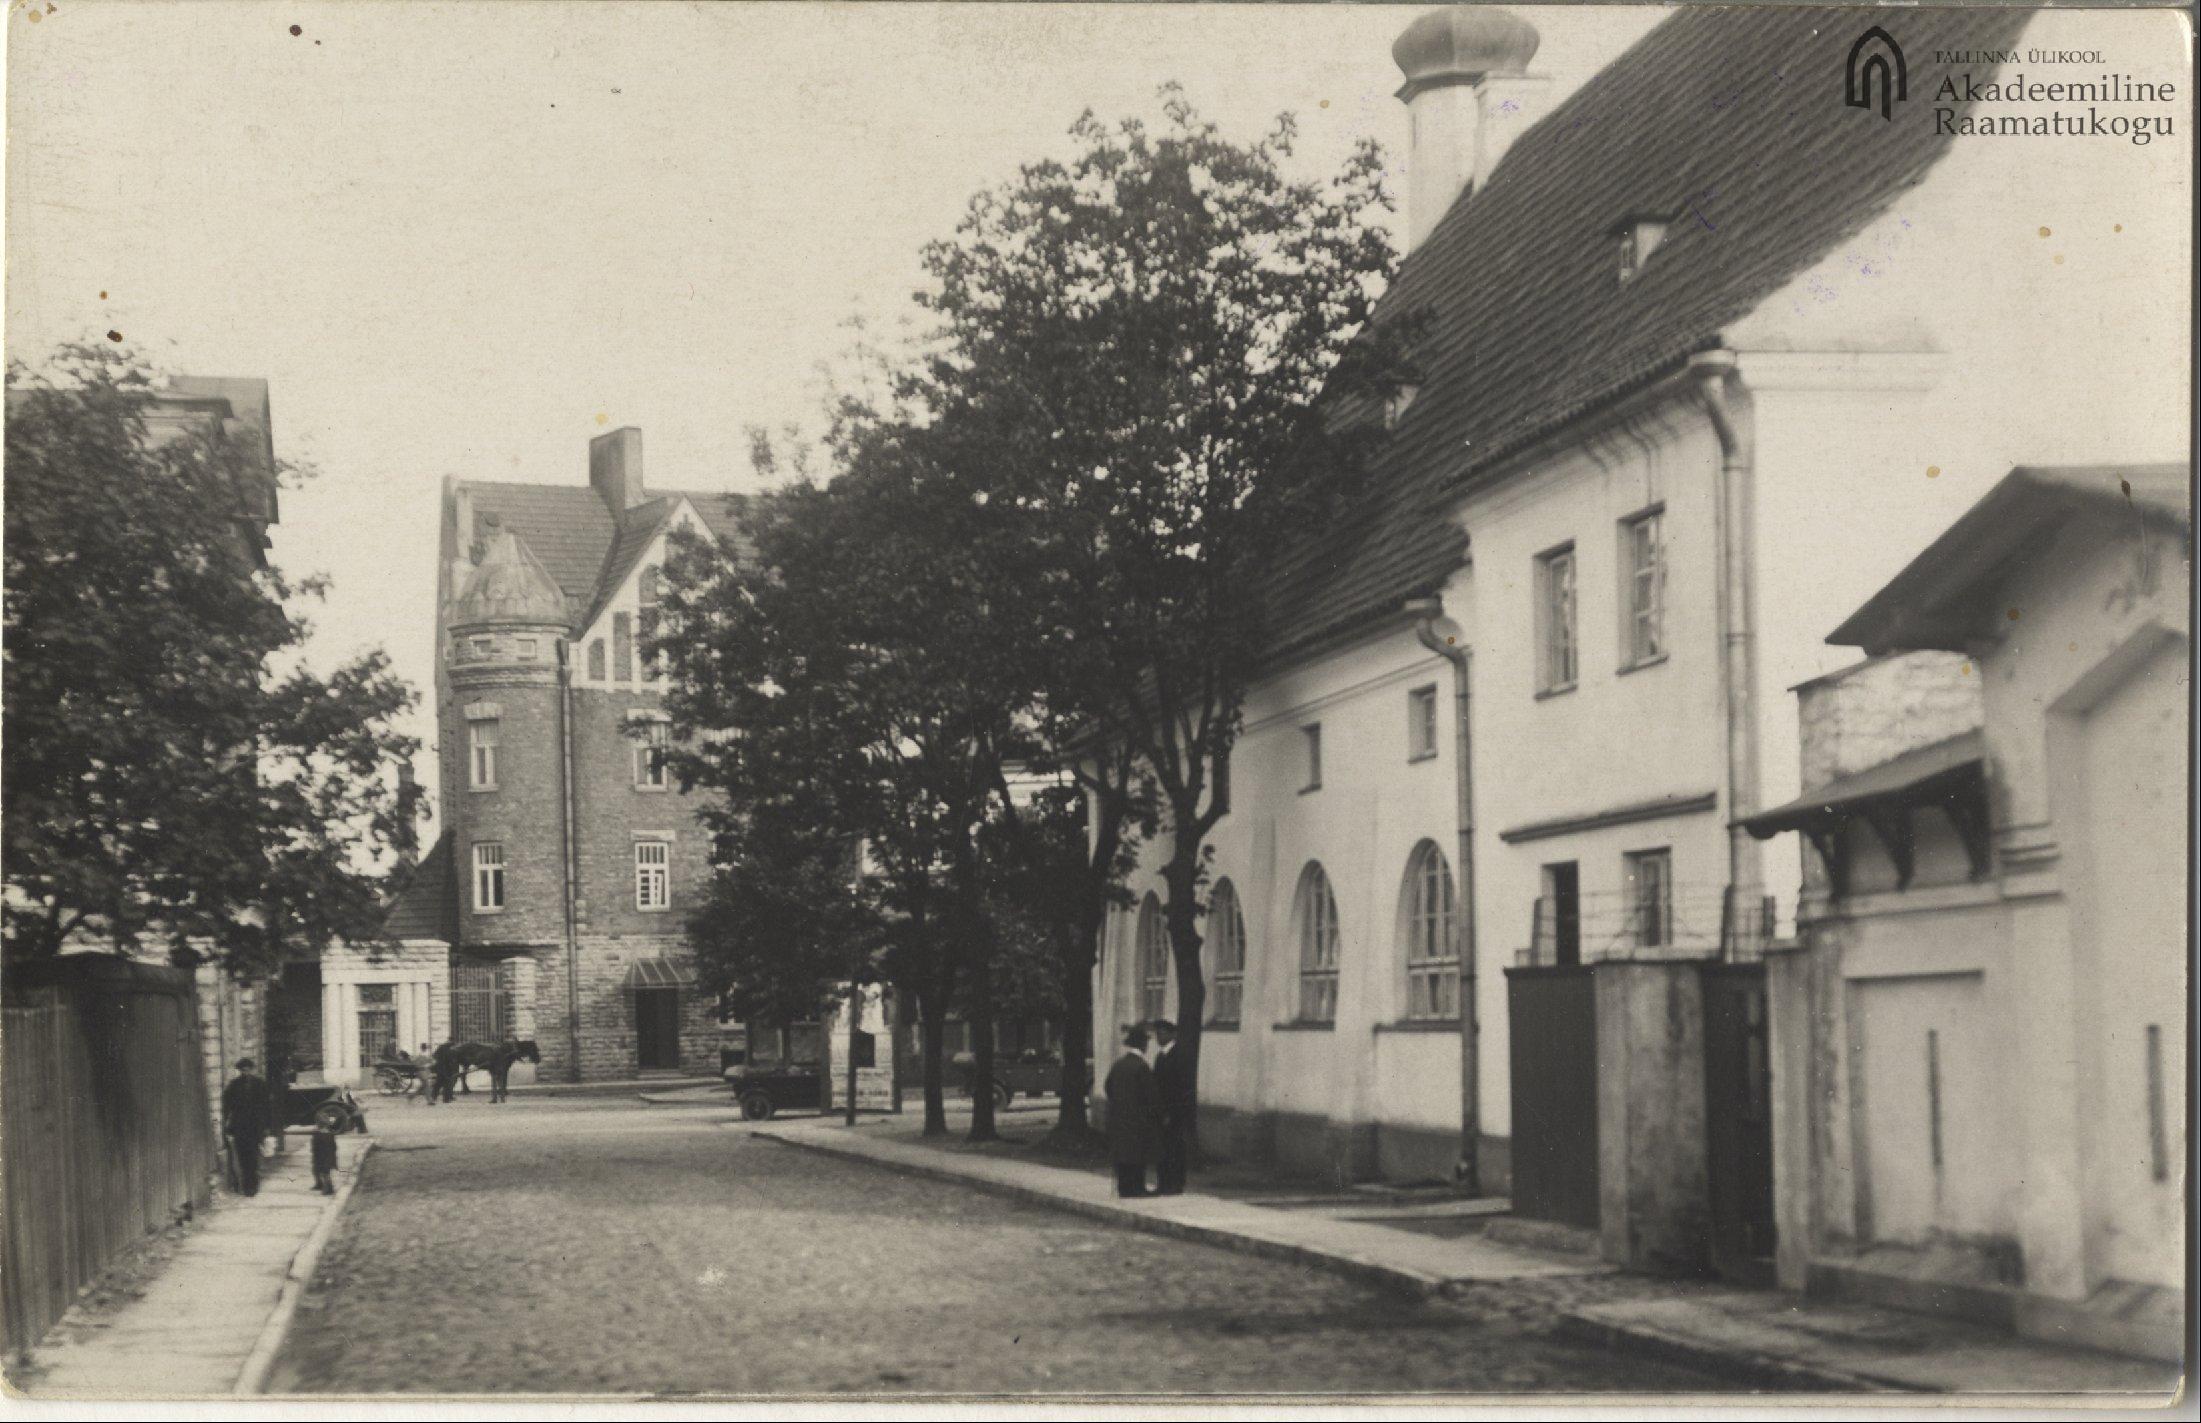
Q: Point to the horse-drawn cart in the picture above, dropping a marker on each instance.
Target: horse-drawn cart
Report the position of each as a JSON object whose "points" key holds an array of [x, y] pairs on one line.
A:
{"points": [[399, 1079]]}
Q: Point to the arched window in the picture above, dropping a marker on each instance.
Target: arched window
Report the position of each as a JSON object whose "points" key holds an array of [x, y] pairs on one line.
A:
{"points": [[1316, 916], [1153, 961], [1432, 953], [1227, 932]]}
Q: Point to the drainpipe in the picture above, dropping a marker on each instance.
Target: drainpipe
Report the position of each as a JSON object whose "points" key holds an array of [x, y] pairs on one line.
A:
{"points": [[568, 852], [1737, 518], [1428, 611]]}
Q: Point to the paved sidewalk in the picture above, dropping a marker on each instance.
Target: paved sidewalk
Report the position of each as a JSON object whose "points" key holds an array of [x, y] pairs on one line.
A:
{"points": [[1405, 1261], [1761, 1337], [1822, 1344], [208, 1323]]}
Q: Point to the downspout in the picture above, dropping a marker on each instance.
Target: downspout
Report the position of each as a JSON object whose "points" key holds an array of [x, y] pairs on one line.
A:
{"points": [[568, 852], [1737, 518], [1427, 612]]}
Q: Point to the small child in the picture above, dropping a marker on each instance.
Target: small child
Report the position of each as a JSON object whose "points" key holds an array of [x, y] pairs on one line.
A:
{"points": [[324, 1158]]}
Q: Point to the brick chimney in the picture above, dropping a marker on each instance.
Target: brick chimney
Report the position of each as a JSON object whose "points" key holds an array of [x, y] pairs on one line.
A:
{"points": [[615, 469], [1468, 95]]}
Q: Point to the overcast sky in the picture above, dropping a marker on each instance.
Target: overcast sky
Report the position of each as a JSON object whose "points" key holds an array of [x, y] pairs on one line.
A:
{"points": [[463, 239]]}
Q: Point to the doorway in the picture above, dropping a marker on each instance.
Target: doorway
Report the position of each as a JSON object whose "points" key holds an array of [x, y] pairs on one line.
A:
{"points": [[657, 1028]]}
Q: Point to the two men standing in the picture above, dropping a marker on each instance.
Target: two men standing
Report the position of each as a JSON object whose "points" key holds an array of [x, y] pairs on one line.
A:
{"points": [[1150, 1113], [248, 1118]]}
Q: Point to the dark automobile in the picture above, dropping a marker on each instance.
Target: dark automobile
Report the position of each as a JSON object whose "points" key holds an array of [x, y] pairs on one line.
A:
{"points": [[1025, 1074], [334, 1105], [778, 1073]]}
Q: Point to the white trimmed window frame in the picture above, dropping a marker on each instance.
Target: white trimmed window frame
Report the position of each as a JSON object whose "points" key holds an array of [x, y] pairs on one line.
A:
{"points": [[653, 876], [489, 897], [1431, 948], [1315, 917], [482, 737], [1227, 932]]}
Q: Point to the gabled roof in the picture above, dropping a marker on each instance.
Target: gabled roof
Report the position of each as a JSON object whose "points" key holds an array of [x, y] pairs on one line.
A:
{"points": [[1729, 120], [1937, 601], [580, 545], [426, 905]]}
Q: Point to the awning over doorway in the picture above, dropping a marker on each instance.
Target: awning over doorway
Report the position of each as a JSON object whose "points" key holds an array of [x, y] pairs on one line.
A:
{"points": [[1948, 775], [658, 973]]}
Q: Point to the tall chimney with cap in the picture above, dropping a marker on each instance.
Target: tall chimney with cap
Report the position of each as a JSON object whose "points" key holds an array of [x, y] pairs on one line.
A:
{"points": [[1468, 95]]}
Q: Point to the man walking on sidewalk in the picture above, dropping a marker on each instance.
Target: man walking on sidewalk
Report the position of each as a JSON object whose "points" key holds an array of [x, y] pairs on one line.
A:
{"points": [[248, 1115], [1133, 1118], [1174, 1087]]}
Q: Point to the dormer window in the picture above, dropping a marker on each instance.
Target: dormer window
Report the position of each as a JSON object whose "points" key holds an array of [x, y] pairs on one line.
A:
{"points": [[1639, 238]]}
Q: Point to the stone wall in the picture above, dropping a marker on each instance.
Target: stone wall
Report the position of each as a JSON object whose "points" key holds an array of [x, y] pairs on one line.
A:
{"points": [[609, 1048], [1873, 712]]}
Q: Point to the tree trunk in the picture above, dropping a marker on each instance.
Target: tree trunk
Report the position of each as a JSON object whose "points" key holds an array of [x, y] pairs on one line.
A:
{"points": [[1077, 1032], [932, 1012], [1181, 914], [980, 1014]]}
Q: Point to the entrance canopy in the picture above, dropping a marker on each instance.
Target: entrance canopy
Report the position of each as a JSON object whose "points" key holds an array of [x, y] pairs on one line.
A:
{"points": [[658, 973]]}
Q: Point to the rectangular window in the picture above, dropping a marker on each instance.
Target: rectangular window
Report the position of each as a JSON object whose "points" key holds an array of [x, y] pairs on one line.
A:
{"points": [[1314, 756], [653, 665], [622, 647], [1559, 917], [649, 756], [1421, 723], [1651, 898], [377, 1021], [1555, 620], [481, 741], [653, 890], [646, 627], [488, 877], [483, 646], [1643, 565], [596, 660], [526, 651]]}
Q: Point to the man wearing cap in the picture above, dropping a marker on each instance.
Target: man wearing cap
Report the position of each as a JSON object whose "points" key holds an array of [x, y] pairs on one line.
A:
{"points": [[1174, 1089], [1133, 1114], [248, 1116]]}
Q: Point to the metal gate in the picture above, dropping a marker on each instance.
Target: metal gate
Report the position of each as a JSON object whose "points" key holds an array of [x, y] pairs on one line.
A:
{"points": [[1552, 1021], [1738, 1118], [481, 1009]]}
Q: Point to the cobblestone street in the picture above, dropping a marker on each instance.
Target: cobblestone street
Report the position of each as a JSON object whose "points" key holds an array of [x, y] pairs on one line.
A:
{"points": [[596, 1245]]}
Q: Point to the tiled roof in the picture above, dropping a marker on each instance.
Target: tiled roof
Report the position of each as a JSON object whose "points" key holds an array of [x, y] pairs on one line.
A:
{"points": [[564, 525], [569, 529], [427, 905], [1728, 120]]}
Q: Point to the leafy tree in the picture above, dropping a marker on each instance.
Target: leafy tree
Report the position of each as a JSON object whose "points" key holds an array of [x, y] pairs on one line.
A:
{"points": [[1056, 879], [854, 674], [168, 781], [1159, 355]]}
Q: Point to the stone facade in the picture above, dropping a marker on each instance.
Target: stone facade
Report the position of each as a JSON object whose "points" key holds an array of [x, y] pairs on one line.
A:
{"points": [[543, 597]]}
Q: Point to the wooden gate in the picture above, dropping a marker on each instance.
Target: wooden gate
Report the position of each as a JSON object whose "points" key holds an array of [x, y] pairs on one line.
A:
{"points": [[481, 1011], [1552, 1021], [1738, 1119]]}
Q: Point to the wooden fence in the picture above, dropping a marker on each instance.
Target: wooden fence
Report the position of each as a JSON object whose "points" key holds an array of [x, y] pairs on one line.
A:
{"points": [[103, 1122]]}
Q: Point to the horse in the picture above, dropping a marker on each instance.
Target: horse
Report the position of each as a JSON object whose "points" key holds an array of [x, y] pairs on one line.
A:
{"points": [[498, 1058]]}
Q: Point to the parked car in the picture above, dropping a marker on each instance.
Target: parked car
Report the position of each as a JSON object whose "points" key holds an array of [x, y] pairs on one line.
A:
{"points": [[767, 1087], [1025, 1074], [333, 1104]]}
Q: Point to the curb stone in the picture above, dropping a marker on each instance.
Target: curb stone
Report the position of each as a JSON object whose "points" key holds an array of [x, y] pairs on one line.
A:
{"points": [[1410, 1284], [1740, 1365], [252, 1378]]}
